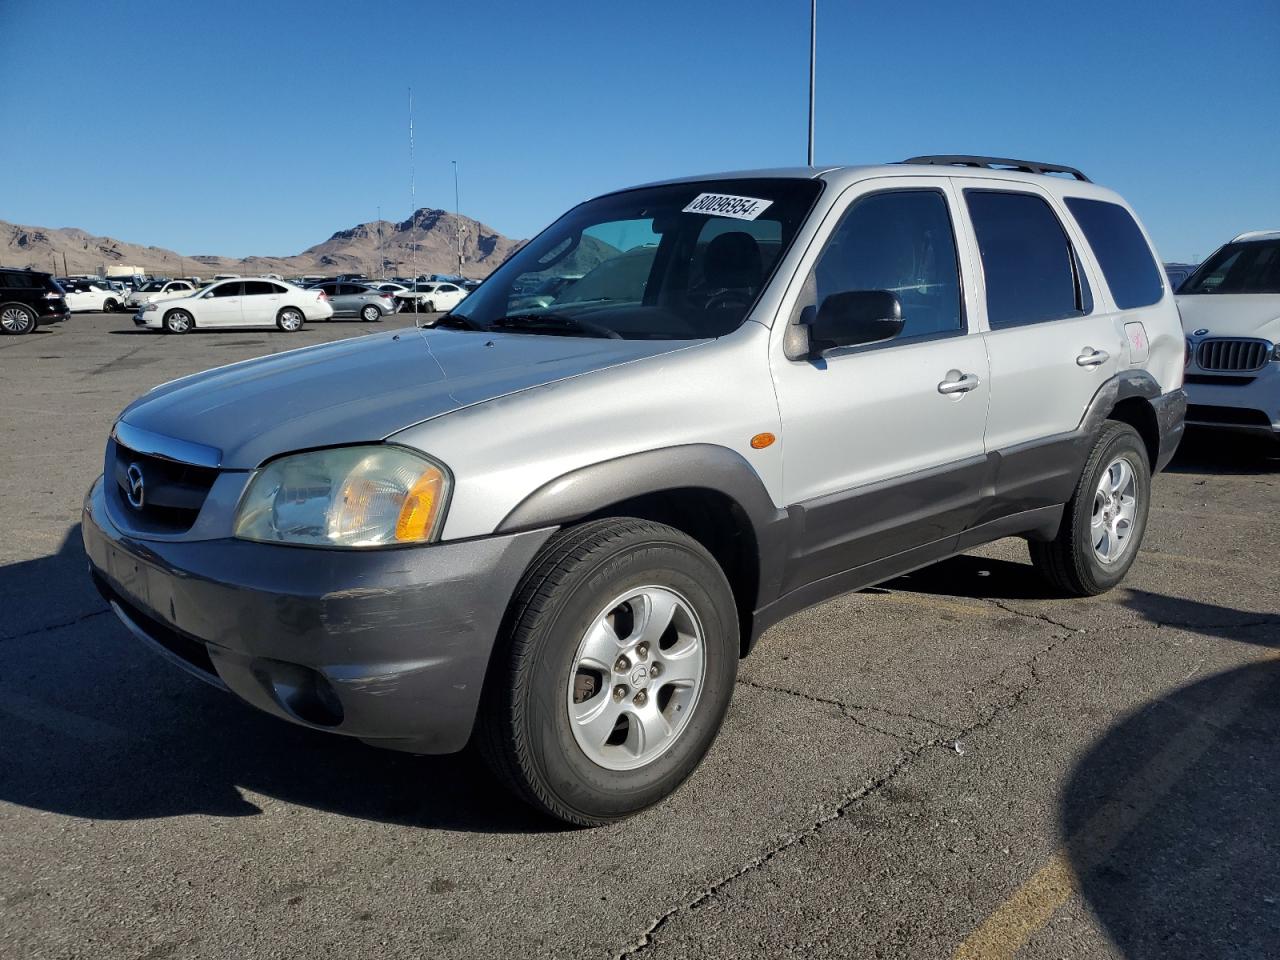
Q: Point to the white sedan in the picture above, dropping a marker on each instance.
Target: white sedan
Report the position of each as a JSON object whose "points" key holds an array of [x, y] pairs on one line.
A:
{"points": [[159, 290], [238, 303], [84, 295], [431, 297]]}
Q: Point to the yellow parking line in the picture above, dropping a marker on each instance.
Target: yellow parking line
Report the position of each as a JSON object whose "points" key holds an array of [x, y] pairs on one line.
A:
{"points": [[1033, 904]]}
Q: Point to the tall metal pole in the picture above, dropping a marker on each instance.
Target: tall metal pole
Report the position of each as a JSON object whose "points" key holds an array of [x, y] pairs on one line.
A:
{"points": [[413, 205], [457, 212], [813, 56]]}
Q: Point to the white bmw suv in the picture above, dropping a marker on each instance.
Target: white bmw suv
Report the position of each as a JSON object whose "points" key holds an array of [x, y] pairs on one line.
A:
{"points": [[1231, 315]]}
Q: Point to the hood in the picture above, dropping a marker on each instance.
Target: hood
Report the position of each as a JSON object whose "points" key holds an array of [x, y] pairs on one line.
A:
{"points": [[1232, 314], [366, 388]]}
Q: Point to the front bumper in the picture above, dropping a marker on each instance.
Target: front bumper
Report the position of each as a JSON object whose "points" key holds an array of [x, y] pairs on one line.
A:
{"points": [[389, 646], [1246, 403]]}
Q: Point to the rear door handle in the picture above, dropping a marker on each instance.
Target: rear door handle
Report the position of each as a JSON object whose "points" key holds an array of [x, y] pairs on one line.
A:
{"points": [[1090, 357], [962, 384]]}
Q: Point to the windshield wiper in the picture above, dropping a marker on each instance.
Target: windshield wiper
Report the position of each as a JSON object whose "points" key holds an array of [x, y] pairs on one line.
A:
{"points": [[460, 320], [553, 324]]}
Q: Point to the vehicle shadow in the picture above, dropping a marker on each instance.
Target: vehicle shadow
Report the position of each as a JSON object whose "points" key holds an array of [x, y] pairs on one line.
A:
{"points": [[1170, 820], [1206, 451], [94, 725]]}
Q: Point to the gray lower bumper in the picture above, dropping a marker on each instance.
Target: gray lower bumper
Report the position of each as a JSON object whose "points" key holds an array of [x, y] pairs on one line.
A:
{"points": [[1171, 415], [390, 646]]}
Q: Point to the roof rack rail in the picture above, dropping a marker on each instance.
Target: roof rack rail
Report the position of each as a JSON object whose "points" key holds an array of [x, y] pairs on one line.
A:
{"points": [[998, 163]]}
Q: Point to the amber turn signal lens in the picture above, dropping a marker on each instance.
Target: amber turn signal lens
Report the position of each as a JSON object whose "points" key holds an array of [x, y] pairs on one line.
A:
{"points": [[762, 440], [421, 507]]}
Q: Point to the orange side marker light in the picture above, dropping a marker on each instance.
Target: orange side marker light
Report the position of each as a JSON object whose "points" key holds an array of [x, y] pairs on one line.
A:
{"points": [[762, 440]]}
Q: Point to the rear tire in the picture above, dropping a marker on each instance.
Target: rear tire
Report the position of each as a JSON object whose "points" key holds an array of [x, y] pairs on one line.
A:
{"points": [[431, 306], [592, 746], [178, 321], [370, 313], [16, 319], [1103, 523], [290, 319]]}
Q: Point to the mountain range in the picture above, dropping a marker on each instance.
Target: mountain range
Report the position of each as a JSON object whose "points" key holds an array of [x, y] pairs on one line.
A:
{"points": [[426, 243]]}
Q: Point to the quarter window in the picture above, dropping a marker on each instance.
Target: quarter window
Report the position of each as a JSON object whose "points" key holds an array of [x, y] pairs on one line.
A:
{"points": [[900, 241], [1122, 252], [1032, 273]]}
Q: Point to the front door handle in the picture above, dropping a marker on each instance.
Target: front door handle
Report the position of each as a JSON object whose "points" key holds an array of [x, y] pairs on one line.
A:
{"points": [[1090, 357], [961, 384]]}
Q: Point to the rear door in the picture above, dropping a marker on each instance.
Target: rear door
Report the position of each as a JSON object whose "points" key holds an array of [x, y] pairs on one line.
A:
{"points": [[221, 305], [260, 303], [1051, 343], [882, 444]]}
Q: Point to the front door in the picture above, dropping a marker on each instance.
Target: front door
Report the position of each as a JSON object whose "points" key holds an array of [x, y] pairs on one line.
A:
{"points": [[883, 444], [220, 306]]}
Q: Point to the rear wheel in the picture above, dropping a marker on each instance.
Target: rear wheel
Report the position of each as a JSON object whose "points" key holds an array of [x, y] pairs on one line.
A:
{"points": [[431, 306], [370, 314], [178, 321], [290, 319], [1105, 519], [615, 673], [16, 319]]}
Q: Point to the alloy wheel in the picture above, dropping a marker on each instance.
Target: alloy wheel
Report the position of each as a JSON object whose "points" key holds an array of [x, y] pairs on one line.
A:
{"points": [[1115, 504]]}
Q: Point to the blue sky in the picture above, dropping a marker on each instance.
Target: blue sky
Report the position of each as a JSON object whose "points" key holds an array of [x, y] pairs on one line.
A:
{"points": [[261, 128]]}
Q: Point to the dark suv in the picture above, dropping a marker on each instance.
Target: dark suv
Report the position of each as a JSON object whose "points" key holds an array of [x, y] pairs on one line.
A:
{"points": [[28, 299]]}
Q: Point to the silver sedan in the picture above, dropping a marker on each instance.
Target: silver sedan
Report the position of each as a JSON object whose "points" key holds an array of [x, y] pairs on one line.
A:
{"points": [[357, 300]]}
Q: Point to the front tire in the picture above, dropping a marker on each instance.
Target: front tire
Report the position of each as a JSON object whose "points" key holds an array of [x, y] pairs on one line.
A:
{"points": [[110, 306], [1103, 523], [576, 720], [178, 321], [431, 307], [290, 319], [16, 319]]}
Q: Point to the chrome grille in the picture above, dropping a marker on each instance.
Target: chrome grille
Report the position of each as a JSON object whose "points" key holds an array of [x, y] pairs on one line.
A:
{"points": [[1232, 354]]}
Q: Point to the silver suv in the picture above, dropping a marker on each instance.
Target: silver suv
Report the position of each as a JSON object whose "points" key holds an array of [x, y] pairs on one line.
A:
{"points": [[552, 531]]}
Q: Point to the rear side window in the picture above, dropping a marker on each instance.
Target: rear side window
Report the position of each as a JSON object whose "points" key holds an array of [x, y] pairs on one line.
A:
{"points": [[900, 241], [1031, 270], [258, 288], [1122, 251]]}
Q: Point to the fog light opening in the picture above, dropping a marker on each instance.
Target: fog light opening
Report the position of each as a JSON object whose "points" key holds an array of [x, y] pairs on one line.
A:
{"points": [[305, 693]]}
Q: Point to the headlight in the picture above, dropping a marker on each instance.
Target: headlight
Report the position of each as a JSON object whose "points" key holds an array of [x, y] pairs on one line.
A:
{"points": [[151, 305], [371, 496]]}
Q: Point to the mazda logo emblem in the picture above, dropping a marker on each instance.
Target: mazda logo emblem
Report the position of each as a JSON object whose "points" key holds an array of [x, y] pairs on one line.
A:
{"points": [[134, 491]]}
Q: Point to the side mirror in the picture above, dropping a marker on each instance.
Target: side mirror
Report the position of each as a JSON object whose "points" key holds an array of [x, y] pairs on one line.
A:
{"points": [[855, 318]]}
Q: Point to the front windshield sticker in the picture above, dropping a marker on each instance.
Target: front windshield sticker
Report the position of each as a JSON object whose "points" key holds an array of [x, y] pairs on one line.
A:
{"points": [[727, 205]]}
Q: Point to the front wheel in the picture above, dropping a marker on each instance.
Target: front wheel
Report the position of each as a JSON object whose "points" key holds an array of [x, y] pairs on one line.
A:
{"points": [[431, 307], [178, 321], [290, 320], [1103, 523], [110, 306], [615, 672]]}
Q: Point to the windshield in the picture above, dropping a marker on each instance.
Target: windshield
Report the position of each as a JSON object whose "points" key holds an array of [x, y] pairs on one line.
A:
{"points": [[1249, 267], [152, 286], [675, 262]]}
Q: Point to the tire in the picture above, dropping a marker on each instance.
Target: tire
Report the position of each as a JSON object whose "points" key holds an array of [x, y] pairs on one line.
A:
{"points": [[290, 319], [178, 321], [431, 306], [110, 306], [15, 319], [370, 313], [525, 731], [1071, 562]]}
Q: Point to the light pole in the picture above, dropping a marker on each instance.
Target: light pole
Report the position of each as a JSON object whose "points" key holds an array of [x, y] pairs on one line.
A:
{"points": [[457, 213], [813, 56]]}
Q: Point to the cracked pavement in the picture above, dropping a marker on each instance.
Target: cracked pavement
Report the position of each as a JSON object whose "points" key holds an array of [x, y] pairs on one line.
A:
{"points": [[953, 764]]}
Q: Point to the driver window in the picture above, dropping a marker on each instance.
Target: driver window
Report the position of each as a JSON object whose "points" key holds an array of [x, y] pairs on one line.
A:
{"points": [[226, 290], [901, 241]]}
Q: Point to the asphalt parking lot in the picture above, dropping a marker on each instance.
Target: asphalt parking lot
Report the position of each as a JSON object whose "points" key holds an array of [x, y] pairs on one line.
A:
{"points": [[956, 764]]}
